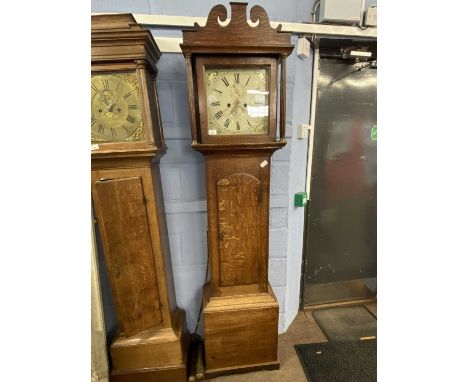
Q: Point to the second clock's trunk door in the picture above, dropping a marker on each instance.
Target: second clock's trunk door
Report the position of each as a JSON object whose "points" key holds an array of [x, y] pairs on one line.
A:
{"points": [[125, 233]]}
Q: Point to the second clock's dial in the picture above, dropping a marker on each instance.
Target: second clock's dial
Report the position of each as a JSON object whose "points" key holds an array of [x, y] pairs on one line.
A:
{"points": [[115, 107], [237, 101]]}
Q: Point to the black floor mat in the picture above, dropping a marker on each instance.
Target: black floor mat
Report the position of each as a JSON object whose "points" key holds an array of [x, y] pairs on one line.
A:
{"points": [[352, 361], [346, 323]]}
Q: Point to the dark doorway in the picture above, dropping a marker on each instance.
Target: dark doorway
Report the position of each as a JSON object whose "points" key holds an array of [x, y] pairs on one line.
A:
{"points": [[340, 260]]}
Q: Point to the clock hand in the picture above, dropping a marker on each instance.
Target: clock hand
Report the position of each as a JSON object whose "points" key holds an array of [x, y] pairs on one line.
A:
{"points": [[111, 106], [236, 103], [103, 99]]}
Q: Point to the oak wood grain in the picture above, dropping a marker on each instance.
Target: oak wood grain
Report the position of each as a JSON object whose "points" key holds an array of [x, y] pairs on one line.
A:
{"points": [[162, 374], [240, 331], [239, 212], [159, 251], [152, 348], [260, 38], [125, 230], [238, 209]]}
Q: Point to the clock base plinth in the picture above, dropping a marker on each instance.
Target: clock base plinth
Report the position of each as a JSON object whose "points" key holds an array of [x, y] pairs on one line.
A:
{"points": [[163, 374], [213, 373], [154, 355], [241, 333]]}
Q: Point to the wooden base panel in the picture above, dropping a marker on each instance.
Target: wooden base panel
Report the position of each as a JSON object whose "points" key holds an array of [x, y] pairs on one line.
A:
{"points": [[170, 374], [239, 370], [241, 333], [156, 354]]}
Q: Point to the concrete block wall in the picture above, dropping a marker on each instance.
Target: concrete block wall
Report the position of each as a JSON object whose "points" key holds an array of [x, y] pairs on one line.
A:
{"points": [[183, 176], [182, 169]]}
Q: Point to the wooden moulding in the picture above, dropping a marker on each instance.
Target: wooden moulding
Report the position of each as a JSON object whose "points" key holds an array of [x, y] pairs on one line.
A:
{"points": [[118, 38], [241, 333], [238, 41], [237, 36], [166, 374], [238, 149]]}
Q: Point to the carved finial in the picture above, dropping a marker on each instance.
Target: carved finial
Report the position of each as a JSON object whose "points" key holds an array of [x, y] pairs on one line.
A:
{"points": [[217, 12], [257, 13], [238, 16], [238, 13]]}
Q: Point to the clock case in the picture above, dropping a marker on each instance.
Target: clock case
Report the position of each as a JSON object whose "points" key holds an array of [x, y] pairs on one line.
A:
{"points": [[211, 62], [152, 340], [240, 309], [120, 45]]}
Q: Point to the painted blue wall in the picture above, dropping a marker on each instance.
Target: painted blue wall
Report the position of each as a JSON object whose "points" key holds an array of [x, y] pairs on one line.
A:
{"points": [[182, 168], [278, 10]]}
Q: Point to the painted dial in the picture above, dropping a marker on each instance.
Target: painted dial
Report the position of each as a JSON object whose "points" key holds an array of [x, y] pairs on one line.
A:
{"points": [[115, 107], [237, 101]]}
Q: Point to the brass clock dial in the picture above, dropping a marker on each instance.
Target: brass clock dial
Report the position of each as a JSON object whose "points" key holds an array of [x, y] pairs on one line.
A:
{"points": [[115, 108], [237, 101]]}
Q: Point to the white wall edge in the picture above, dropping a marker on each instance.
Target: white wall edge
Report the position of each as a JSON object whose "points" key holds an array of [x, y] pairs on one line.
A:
{"points": [[168, 44]]}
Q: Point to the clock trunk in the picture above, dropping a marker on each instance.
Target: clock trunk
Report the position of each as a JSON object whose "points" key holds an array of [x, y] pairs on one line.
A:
{"points": [[238, 204]]}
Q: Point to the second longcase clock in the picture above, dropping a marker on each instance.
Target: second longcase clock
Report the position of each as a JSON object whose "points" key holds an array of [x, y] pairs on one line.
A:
{"points": [[233, 71], [126, 143]]}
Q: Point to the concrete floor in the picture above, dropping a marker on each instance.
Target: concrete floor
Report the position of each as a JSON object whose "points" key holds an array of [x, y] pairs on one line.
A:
{"points": [[303, 330]]}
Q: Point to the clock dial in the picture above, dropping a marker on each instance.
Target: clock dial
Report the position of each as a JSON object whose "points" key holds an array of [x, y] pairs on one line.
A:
{"points": [[237, 101], [115, 108]]}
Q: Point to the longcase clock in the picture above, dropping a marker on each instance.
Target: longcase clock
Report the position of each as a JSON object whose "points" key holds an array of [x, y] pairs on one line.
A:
{"points": [[233, 72], [126, 142]]}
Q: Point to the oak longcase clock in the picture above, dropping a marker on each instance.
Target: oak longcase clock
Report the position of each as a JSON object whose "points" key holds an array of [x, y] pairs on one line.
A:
{"points": [[126, 142], [233, 72]]}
